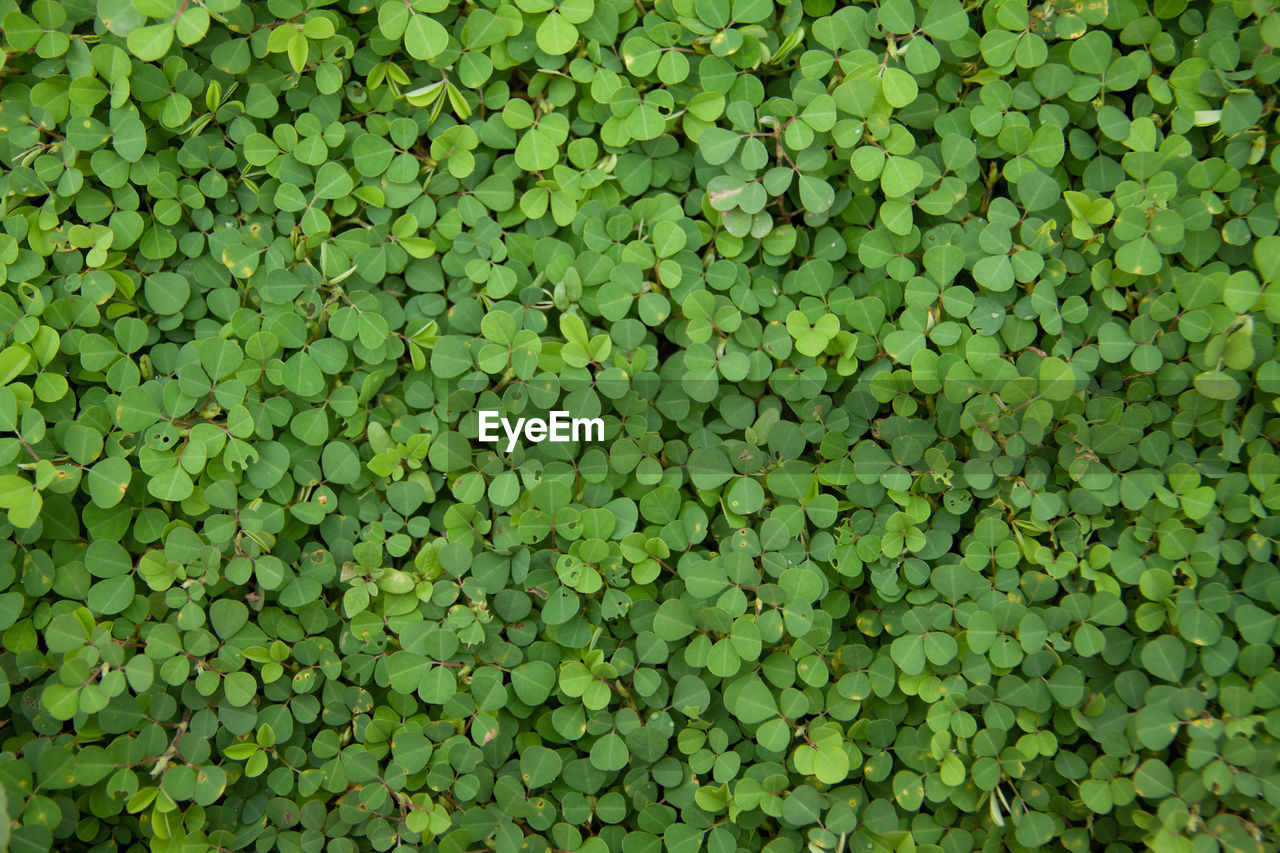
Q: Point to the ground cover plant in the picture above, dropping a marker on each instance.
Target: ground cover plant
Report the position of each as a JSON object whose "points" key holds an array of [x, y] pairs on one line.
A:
{"points": [[935, 346]]}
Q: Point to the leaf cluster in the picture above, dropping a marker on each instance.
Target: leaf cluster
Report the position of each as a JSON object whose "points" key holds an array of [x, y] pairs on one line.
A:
{"points": [[935, 342]]}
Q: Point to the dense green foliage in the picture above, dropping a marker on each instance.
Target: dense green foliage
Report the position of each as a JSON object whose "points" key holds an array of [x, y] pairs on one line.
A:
{"points": [[936, 344]]}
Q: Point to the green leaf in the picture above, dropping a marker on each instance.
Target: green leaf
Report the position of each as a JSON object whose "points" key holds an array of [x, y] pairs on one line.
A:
{"points": [[111, 596], [900, 176], [609, 753], [340, 463], [909, 654], [533, 682], [899, 87], [332, 181], [424, 38], [1217, 385], [539, 766], [750, 701], [60, 701], [536, 151], [167, 293], [816, 195], [13, 361], [718, 145], [239, 689], [152, 42], [1057, 379], [108, 481], [174, 484], [1140, 257], [945, 20], [1165, 657], [556, 36]]}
